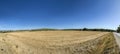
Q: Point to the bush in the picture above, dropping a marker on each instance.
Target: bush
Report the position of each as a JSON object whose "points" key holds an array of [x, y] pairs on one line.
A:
{"points": [[118, 29]]}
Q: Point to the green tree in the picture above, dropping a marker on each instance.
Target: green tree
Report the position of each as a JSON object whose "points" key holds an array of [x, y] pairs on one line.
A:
{"points": [[85, 29], [118, 29]]}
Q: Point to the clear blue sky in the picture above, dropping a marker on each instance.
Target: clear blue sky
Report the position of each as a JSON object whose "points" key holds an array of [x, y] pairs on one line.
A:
{"points": [[28, 14]]}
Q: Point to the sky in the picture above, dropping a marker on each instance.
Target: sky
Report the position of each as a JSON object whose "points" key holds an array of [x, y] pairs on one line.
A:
{"points": [[61, 14]]}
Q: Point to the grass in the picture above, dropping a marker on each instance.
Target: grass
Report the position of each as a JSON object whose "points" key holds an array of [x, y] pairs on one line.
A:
{"points": [[50, 38], [61, 42], [107, 45]]}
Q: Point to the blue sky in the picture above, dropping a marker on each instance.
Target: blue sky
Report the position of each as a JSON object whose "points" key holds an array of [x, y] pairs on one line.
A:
{"points": [[28, 14]]}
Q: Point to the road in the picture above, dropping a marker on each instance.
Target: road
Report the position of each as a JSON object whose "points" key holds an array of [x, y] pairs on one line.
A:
{"points": [[117, 37]]}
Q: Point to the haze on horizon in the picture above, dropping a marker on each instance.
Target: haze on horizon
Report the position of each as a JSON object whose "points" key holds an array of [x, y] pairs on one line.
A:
{"points": [[29, 14]]}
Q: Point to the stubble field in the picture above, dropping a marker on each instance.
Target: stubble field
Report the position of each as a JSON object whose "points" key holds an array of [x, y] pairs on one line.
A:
{"points": [[56, 42]]}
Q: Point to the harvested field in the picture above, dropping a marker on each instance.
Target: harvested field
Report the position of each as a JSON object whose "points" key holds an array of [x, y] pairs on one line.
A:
{"points": [[57, 42]]}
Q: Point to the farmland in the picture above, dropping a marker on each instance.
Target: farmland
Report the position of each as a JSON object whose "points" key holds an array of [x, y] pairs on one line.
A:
{"points": [[57, 42]]}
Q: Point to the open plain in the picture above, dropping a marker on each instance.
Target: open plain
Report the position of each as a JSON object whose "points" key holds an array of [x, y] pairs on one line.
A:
{"points": [[58, 42]]}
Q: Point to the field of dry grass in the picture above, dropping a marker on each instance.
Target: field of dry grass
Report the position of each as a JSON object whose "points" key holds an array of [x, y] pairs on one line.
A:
{"points": [[56, 42]]}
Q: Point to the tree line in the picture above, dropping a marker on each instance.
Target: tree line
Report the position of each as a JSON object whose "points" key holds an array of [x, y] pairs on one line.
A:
{"points": [[49, 29], [87, 29]]}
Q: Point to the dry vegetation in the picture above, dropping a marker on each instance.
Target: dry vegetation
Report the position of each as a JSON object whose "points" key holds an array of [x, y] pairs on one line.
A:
{"points": [[58, 42]]}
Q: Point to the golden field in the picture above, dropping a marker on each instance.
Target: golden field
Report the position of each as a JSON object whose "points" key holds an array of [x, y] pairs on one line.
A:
{"points": [[57, 42]]}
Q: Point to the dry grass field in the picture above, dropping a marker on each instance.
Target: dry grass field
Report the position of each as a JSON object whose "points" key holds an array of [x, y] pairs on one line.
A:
{"points": [[57, 42]]}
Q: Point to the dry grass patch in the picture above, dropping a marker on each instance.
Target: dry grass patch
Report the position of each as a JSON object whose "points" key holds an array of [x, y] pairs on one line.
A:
{"points": [[49, 38], [58, 42]]}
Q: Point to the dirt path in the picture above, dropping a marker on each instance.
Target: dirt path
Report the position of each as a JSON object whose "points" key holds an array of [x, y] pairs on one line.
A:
{"points": [[117, 37]]}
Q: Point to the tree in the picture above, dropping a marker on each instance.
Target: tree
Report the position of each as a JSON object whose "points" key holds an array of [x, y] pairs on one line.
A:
{"points": [[85, 29], [118, 29]]}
